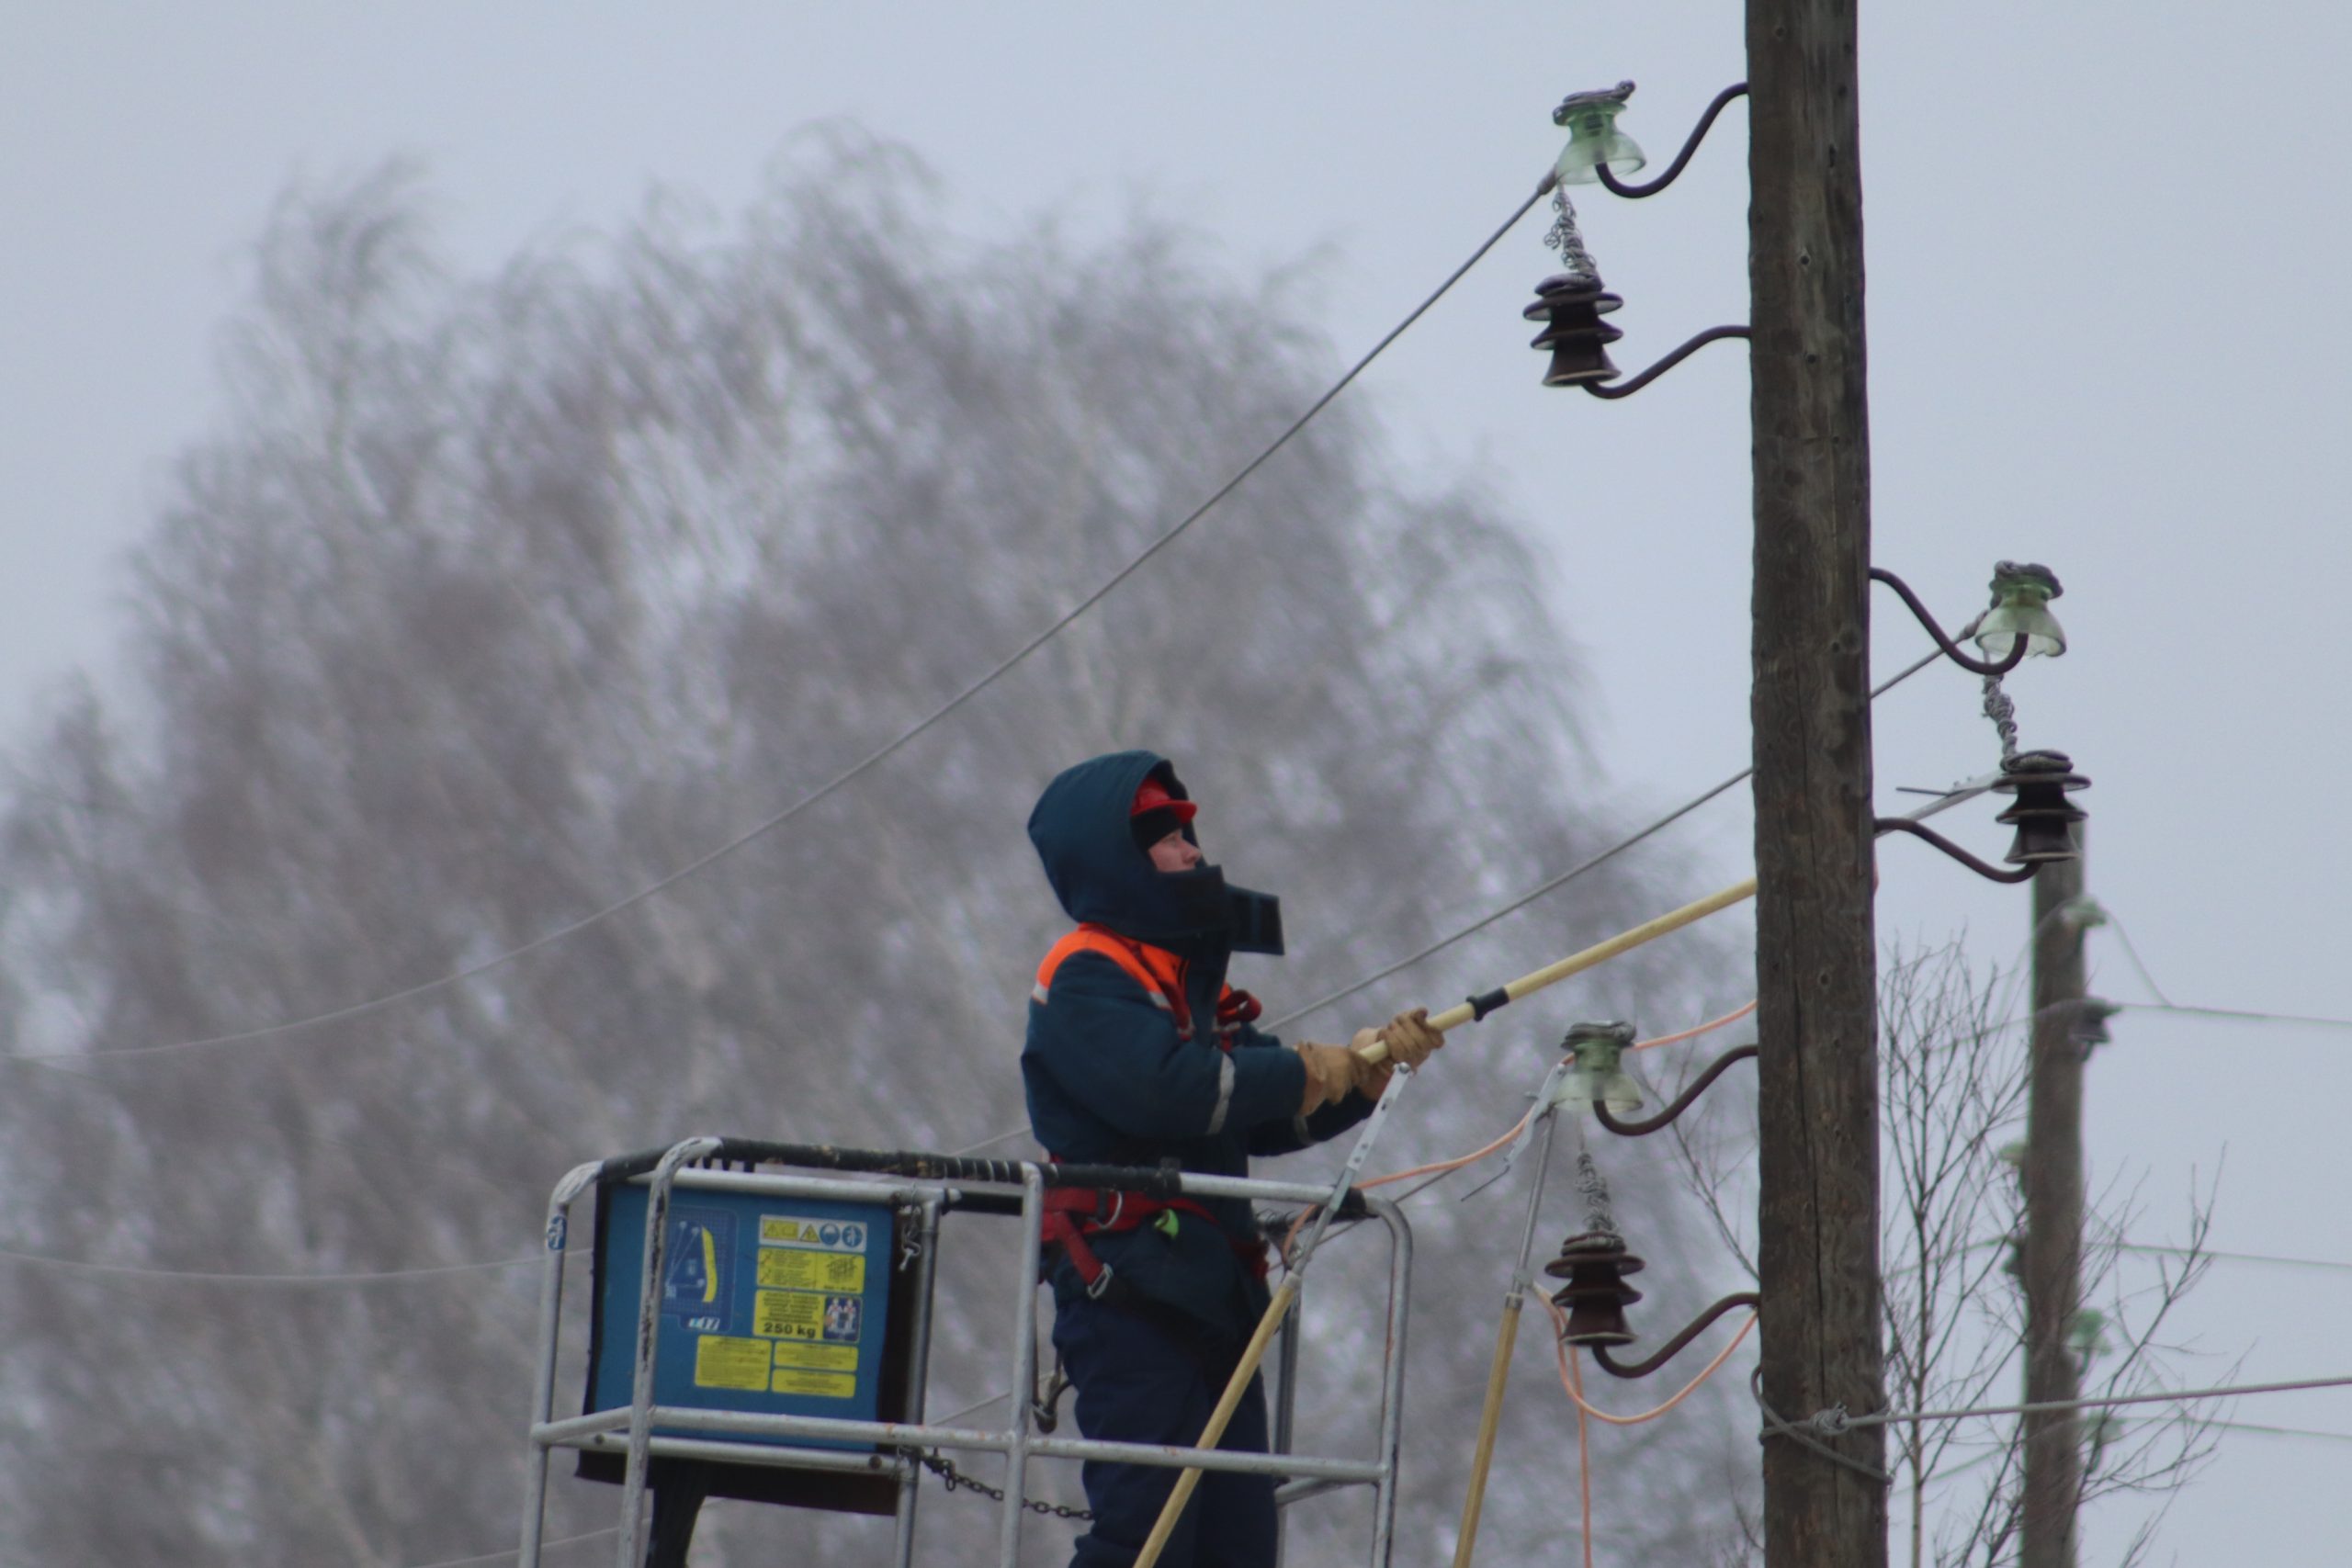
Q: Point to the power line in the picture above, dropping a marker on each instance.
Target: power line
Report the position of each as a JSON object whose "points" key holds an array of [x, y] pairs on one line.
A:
{"points": [[2133, 953], [872, 759], [2244, 1014], [2234, 1257], [1565, 877], [2281, 1431], [1831, 1423], [1521, 902], [508, 1555], [125, 1271], [2166, 1004]]}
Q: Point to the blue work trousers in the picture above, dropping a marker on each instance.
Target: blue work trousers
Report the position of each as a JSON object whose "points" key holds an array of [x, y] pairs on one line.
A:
{"points": [[1143, 1377]]}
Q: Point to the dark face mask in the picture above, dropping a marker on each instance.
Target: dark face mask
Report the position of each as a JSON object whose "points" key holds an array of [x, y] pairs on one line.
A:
{"points": [[1233, 919]]}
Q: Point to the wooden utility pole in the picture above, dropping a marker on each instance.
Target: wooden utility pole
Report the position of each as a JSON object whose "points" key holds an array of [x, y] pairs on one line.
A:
{"points": [[2054, 1218], [1815, 961]]}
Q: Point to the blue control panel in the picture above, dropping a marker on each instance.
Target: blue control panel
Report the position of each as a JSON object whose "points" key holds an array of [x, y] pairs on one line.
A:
{"points": [[769, 1306]]}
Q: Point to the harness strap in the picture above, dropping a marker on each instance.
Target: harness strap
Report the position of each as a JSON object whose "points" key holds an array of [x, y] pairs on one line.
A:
{"points": [[1073, 1213]]}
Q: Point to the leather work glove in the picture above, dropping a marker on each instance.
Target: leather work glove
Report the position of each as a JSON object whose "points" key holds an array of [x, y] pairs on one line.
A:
{"points": [[1330, 1074], [1410, 1039], [1371, 1078]]}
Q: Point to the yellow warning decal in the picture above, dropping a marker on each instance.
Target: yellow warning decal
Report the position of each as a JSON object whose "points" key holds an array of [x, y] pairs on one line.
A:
{"points": [[821, 1358], [721, 1361], [824, 1385], [819, 1235], [791, 1271], [787, 1315]]}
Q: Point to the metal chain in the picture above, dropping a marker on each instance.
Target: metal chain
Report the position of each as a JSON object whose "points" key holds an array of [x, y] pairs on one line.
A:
{"points": [[939, 1464]]}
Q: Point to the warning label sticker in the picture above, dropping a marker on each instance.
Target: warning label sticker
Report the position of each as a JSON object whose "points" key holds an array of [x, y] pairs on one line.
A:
{"points": [[824, 1385], [789, 1314], [790, 1269], [724, 1362], [814, 1235], [818, 1357], [804, 1314]]}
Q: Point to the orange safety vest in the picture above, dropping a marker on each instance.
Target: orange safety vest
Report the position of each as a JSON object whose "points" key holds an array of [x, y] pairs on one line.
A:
{"points": [[1160, 973]]}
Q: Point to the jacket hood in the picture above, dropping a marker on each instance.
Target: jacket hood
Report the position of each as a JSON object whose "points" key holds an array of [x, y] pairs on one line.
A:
{"points": [[1081, 829]]}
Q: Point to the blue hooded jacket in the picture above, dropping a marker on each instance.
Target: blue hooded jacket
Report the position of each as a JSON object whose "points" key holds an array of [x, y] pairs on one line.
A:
{"points": [[1110, 1079]]}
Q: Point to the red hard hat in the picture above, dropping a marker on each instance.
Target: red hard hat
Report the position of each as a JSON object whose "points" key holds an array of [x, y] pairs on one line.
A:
{"points": [[1154, 796]]}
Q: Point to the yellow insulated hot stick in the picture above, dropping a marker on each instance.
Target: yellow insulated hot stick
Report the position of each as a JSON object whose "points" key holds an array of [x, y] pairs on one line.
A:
{"points": [[1576, 963], [1452, 1017]]}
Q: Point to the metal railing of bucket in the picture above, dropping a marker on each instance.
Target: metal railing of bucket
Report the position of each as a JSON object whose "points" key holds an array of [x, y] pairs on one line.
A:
{"points": [[691, 1256]]}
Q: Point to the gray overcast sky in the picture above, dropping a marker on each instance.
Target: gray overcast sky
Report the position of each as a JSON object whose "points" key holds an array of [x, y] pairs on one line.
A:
{"points": [[2107, 323]]}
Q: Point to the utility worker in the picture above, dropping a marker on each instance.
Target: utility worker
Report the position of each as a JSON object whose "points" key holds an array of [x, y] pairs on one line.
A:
{"points": [[1139, 1053]]}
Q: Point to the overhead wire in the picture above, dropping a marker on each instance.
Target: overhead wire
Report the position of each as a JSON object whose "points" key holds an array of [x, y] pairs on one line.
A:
{"points": [[2165, 1004], [2232, 1256], [2132, 952], [1837, 1421], [872, 759], [219, 1277], [2281, 1431], [2243, 1014], [509, 1554], [1564, 879]]}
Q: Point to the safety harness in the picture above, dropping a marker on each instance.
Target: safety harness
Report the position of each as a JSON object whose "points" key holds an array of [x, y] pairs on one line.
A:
{"points": [[1073, 1213]]}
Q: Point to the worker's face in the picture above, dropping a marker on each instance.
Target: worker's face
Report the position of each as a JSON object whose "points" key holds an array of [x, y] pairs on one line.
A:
{"points": [[1175, 852]]}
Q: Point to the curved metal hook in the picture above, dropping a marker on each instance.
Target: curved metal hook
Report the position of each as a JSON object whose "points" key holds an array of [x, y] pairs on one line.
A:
{"points": [[1663, 366], [1681, 1104], [1921, 831], [1673, 1347], [1951, 650], [1634, 193]]}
